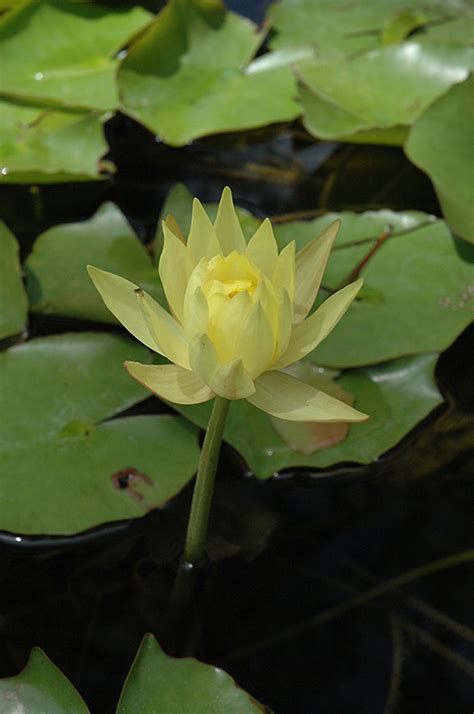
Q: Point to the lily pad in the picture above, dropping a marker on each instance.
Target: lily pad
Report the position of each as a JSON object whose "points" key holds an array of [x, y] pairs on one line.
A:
{"points": [[64, 468], [65, 52], [417, 295], [57, 280], [189, 75], [336, 30], [39, 688], [385, 88], [159, 683], [397, 395], [13, 301], [442, 144], [42, 145]]}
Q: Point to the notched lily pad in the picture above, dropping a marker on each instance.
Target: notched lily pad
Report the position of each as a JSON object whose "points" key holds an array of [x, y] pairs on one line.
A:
{"points": [[64, 52], [442, 144], [397, 395], [45, 145], [65, 469], [56, 276], [40, 687], [157, 682], [13, 301], [191, 75]]}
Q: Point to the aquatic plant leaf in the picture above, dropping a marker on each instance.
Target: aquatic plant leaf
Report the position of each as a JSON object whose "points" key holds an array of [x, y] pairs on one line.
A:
{"points": [[397, 395], [157, 682], [45, 145], [65, 468], [442, 143], [385, 88], [40, 687], [65, 52], [56, 276], [416, 279], [191, 75], [13, 300]]}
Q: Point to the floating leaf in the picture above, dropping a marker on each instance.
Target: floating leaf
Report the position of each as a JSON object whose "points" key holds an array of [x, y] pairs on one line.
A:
{"points": [[397, 395], [39, 688], [189, 75], [64, 51], [42, 145], [417, 293], [63, 468], [442, 144], [57, 280], [385, 88], [13, 302], [168, 685]]}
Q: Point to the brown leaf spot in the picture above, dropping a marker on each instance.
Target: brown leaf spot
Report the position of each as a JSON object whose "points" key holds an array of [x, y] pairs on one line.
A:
{"points": [[128, 479]]}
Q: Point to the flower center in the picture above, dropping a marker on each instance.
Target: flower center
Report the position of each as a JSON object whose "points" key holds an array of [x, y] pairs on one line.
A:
{"points": [[230, 276]]}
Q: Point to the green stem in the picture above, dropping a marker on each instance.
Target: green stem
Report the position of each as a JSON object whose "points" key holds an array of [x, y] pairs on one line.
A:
{"points": [[204, 486]]}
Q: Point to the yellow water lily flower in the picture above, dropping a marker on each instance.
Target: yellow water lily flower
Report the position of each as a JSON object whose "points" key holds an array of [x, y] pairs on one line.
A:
{"points": [[238, 314]]}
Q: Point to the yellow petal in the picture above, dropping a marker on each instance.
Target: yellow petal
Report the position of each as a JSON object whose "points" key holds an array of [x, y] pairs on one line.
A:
{"points": [[174, 227], [285, 324], [232, 381], [288, 398], [203, 358], [227, 226], [120, 297], [284, 273], [165, 330], [226, 318], [256, 343], [174, 269], [202, 241], [196, 313], [310, 266], [262, 248], [170, 382], [307, 335]]}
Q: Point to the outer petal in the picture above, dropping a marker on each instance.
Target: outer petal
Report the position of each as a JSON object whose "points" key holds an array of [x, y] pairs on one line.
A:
{"points": [[227, 226], [174, 269], [120, 297], [256, 344], [171, 382], [285, 319], [287, 398], [284, 273], [202, 241], [310, 266], [196, 313], [232, 381], [203, 358], [164, 329], [307, 335], [262, 248]]}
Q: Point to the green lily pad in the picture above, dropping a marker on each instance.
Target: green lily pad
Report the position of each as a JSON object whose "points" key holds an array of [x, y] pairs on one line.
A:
{"points": [[13, 301], [442, 144], [396, 395], [42, 145], [336, 30], [64, 468], [40, 689], [56, 276], [417, 295], [385, 88], [159, 683], [189, 75], [65, 52]]}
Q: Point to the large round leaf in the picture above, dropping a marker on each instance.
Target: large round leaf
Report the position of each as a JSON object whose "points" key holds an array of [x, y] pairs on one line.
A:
{"points": [[385, 88], [158, 684], [64, 51], [63, 468], [396, 395], [57, 280], [416, 295], [40, 689], [42, 145], [188, 76], [442, 144], [13, 302]]}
